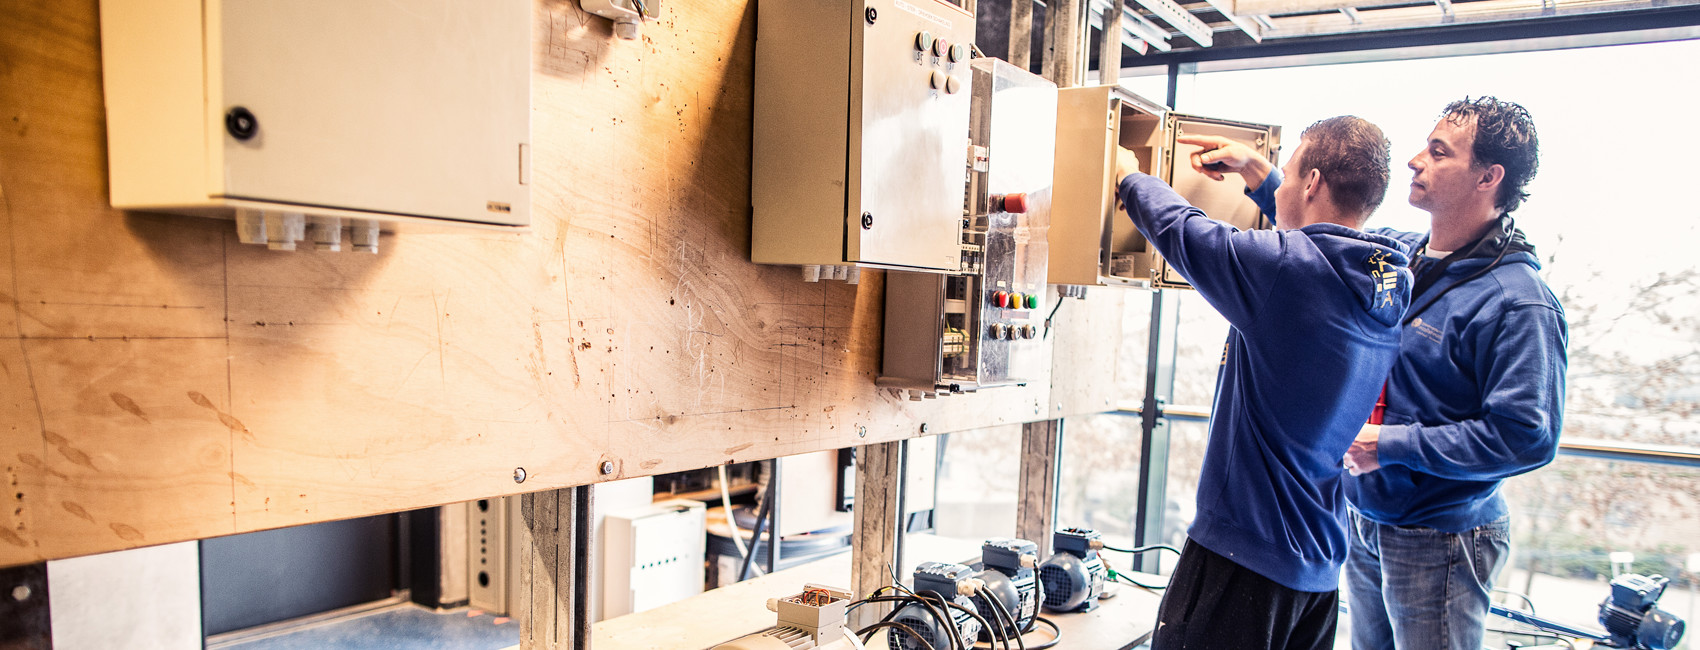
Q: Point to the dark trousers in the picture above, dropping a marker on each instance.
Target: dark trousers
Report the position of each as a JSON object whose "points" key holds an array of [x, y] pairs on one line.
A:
{"points": [[1212, 603]]}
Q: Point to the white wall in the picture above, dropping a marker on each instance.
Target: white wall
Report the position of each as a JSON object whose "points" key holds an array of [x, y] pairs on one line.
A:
{"points": [[141, 599]]}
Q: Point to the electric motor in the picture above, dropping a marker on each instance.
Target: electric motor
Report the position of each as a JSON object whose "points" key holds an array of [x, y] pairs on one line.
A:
{"points": [[1632, 618], [949, 582], [1010, 577], [1074, 577]]}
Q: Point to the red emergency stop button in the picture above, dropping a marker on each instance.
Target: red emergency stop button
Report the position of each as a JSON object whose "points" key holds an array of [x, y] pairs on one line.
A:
{"points": [[1016, 202]]}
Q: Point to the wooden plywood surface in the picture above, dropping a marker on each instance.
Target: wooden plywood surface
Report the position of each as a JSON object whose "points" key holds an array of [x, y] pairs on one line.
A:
{"points": [[164, 382]]}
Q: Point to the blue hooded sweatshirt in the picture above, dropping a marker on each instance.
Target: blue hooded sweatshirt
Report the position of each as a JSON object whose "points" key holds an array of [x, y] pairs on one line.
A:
{"points": [[1315, 315], [1477, 394]]}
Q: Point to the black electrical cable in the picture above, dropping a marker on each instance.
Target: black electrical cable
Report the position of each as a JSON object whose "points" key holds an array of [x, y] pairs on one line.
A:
{"points": [[950, 621], [1000, 633], [868, 631], [998, 606], [761, 522], [1056, 633], [1144, 549], [947, 622]]}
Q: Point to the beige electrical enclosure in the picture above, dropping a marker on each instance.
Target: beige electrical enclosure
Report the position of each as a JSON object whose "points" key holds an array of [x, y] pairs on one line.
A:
{"points": [[1093, 242], [394, 112], [861, 133]]}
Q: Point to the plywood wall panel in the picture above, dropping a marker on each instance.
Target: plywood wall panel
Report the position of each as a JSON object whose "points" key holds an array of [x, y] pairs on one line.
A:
{"points": [[137, 442], [625, 327], [21, 456]]}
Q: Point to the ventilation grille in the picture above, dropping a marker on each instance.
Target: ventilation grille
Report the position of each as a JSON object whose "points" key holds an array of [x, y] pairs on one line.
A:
{"points": [[1059, 586], [791, 637], [921, 623]]}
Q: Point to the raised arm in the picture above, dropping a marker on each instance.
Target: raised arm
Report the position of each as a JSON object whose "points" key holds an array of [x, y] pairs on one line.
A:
{"points": [[1222, 155], [1230, 268]]}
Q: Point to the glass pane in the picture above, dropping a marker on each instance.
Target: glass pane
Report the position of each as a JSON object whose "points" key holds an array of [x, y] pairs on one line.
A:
{"points": [[978, 482], [1632, 300], [1568, 518], [1098, 484], [1136, 347], [1199, 343], [1186, 458], [1153, 87]]}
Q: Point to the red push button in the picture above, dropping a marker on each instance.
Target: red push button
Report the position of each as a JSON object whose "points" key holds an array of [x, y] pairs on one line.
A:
{"points": [[1001, 299], [1016, 202]]}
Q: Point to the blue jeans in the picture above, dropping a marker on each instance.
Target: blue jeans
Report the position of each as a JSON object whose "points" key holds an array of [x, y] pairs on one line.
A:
{"points": [[1415, 588]]}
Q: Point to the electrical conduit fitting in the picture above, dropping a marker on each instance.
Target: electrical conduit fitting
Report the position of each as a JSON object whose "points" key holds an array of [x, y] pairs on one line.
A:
{"points": [[364, 235], [327, 233], [250, 226], [283, 229]]}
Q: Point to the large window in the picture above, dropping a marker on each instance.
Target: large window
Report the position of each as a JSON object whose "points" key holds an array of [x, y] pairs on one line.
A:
{"points": [[1613, 221]]}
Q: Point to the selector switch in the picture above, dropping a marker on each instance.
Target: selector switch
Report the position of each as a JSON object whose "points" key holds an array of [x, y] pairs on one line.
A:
{"points": [[1000, 331], [1029, 331], [923, 41]]}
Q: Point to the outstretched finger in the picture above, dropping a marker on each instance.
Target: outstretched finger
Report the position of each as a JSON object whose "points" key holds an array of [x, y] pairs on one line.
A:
{"points": [[1206, 141]]}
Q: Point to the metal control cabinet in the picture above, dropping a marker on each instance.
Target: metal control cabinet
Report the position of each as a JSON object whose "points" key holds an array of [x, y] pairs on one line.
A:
{"points": [[984, 326], [1092, 239], [861, 128], [415, 112]]}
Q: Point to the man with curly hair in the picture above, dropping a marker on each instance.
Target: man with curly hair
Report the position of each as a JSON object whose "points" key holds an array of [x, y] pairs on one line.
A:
{"points": [[1475, 397]]}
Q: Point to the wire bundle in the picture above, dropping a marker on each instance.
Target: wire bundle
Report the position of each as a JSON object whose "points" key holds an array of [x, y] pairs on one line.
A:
{"points": [[939, 607]]}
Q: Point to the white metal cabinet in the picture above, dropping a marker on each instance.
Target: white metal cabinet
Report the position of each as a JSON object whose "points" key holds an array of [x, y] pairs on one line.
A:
{"points": [[399, 112]]}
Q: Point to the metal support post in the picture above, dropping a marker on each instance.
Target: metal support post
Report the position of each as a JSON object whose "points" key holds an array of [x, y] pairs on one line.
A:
{"points": [[1154, 443]]}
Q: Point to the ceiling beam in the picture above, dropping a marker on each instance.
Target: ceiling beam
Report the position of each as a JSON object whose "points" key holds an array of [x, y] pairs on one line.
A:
{"points": [[1397, 18], [1182, 20], [1247, 25]]}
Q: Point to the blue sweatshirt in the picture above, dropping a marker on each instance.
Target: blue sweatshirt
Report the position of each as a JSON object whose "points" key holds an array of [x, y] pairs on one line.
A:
{"points": [[1477, 394], [1315, 320]]}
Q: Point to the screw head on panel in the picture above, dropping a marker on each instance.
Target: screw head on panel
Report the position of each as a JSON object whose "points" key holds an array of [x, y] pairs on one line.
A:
{"points": [[924, 427], [867, 220], [21, 593], [861, 431], [872, 15], [607, 467], [519, 474]]}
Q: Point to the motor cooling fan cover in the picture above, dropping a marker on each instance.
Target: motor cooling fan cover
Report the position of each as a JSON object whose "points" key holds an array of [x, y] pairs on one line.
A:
{"points": [[1071, 583]]}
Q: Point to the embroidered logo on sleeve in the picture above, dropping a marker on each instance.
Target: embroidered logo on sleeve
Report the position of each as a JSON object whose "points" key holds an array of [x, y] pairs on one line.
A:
{"points": [[1385, 274]]}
